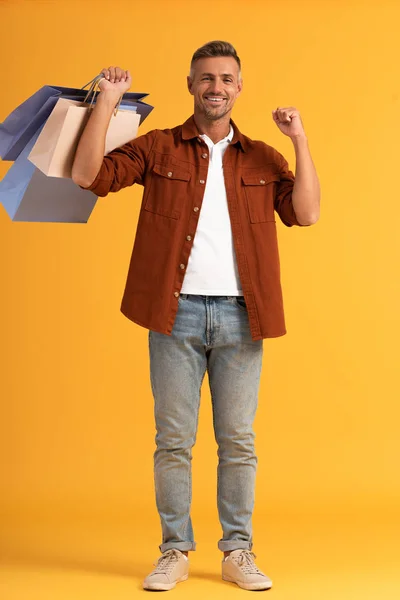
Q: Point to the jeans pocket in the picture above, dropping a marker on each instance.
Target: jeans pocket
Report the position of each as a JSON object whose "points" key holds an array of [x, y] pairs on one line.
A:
{"points": [[240, 302]]}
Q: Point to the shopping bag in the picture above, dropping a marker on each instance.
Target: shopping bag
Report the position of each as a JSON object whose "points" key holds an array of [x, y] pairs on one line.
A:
{"points": [[29, 195], [24, 121], [55, 148]]}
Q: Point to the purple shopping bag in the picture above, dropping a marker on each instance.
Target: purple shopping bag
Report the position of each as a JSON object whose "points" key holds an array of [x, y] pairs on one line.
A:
{"points": [[24, 121], [29, 195]]}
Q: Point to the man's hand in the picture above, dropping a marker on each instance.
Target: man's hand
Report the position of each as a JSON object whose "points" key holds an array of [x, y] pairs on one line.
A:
{"points": [[289, 122], [115, 80]]}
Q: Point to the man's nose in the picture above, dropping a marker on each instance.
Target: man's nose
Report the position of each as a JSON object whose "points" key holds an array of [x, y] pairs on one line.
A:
{"points": [[217, 88]]}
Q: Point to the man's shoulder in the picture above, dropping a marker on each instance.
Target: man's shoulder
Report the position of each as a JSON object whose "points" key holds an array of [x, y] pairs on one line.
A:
{"points": [[168, 133], [261, 148]]}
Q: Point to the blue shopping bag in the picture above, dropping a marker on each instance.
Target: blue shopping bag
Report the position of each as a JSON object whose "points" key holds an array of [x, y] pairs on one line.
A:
{"points": [[24, 121], [29, 195]]}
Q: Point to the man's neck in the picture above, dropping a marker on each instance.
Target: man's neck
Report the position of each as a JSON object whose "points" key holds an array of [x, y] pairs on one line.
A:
{"points": [[215, 130]]}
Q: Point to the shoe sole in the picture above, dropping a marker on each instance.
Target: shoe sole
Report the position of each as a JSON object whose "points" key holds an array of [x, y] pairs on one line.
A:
{"points": [[249, 586], [164, 587]]}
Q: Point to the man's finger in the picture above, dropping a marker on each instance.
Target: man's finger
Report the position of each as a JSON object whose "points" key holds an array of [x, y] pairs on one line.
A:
{"points": [[112, 74]]}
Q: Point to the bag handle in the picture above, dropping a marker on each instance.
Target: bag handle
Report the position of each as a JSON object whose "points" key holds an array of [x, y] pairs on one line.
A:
{"points": [[95, 88]]}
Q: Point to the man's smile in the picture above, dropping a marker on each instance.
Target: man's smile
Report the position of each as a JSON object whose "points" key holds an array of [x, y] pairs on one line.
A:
{"points": [[214, 99]]}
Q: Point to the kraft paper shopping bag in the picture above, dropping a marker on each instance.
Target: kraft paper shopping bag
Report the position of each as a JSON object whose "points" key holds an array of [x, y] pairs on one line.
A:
{"points": [[55, 148]]}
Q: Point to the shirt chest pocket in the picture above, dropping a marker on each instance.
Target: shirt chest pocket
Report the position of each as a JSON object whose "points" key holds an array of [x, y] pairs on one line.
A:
{"points": [[167, 190], [260, 189]]}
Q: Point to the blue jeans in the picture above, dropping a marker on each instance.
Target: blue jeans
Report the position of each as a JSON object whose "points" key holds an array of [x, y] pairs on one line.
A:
{"points": [[210, 333]]}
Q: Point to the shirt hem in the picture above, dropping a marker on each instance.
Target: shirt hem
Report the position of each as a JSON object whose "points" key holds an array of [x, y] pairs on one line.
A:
{"points": [[212, 292]]}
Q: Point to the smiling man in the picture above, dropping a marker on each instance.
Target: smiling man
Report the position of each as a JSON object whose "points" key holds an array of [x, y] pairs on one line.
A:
{"points": [[204, 278], [214, 93]]}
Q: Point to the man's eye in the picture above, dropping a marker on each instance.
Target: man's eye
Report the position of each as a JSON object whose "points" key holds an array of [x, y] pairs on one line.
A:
{"points": [[204, 78], [228, 80]]}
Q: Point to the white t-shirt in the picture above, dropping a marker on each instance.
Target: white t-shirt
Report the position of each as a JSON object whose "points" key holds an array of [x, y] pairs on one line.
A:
{"points": [[212, 268]]}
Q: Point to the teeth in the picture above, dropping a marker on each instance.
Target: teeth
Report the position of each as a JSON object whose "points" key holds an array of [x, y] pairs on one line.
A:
{"points": [[215, 99]]}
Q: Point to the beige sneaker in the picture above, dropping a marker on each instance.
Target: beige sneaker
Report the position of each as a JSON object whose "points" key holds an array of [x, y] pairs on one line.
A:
{"points": [[171, 568], [239, 567]]}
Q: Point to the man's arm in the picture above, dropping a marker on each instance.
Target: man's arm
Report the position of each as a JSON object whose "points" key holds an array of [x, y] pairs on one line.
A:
{"points": [[306, 189], [121, 167], [91, 147]]}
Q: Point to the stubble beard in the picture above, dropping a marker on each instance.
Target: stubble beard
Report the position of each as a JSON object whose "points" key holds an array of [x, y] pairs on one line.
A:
{"points": [[212, 115]]}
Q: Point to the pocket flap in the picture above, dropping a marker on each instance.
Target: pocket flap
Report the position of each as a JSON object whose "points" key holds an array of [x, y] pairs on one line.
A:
{"points": [[172, 172], [259, 178]]}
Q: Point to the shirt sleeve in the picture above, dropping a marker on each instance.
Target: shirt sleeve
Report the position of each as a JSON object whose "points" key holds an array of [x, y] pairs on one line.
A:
{"points": [[123, 166], [283, 203]]}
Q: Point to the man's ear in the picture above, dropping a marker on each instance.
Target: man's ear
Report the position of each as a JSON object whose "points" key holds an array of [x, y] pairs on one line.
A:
{"points": [[189, 84], [240, 86]]}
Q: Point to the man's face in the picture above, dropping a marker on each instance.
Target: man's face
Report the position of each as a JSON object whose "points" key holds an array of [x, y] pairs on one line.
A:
{"points": [[215, 85]]}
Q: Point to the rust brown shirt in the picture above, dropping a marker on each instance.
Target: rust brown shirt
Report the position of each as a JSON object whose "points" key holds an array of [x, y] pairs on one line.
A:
{"points": [[172, 166]]}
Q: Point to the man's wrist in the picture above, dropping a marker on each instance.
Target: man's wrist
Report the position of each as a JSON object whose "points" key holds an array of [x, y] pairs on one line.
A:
{"points": [[108, 98], [299, 140]]}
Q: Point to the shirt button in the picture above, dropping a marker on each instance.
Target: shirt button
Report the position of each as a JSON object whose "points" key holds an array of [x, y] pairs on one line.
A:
{"points": [[176, 294], [188, 237], [262, 181], [204, 155], [182, 266], [169, 173], [196, 208], [202, 181]]}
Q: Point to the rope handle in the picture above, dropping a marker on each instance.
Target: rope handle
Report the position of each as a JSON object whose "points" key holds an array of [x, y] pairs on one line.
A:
{"points": [[95, 88]]}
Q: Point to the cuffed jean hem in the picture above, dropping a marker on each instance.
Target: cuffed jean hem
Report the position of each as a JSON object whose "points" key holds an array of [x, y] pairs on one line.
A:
{"points": [[229, 545], [182, 546]]}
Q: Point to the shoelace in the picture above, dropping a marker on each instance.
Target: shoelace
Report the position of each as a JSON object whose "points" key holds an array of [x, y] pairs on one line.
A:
{"points": [[166, 562], [245, 560]]}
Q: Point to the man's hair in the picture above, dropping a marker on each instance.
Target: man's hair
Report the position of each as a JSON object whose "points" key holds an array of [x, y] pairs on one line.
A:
{"points": [[215, 48]]}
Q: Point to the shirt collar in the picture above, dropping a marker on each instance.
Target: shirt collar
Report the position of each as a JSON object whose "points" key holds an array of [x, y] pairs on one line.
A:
{"points": [[227, 138], [190, 131]]}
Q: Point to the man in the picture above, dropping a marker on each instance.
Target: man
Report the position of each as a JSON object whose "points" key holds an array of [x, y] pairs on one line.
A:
{"points": [[204, 279]]}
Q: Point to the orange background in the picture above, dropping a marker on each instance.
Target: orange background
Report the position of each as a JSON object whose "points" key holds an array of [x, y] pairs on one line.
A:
{"points": [[76, 428]]}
